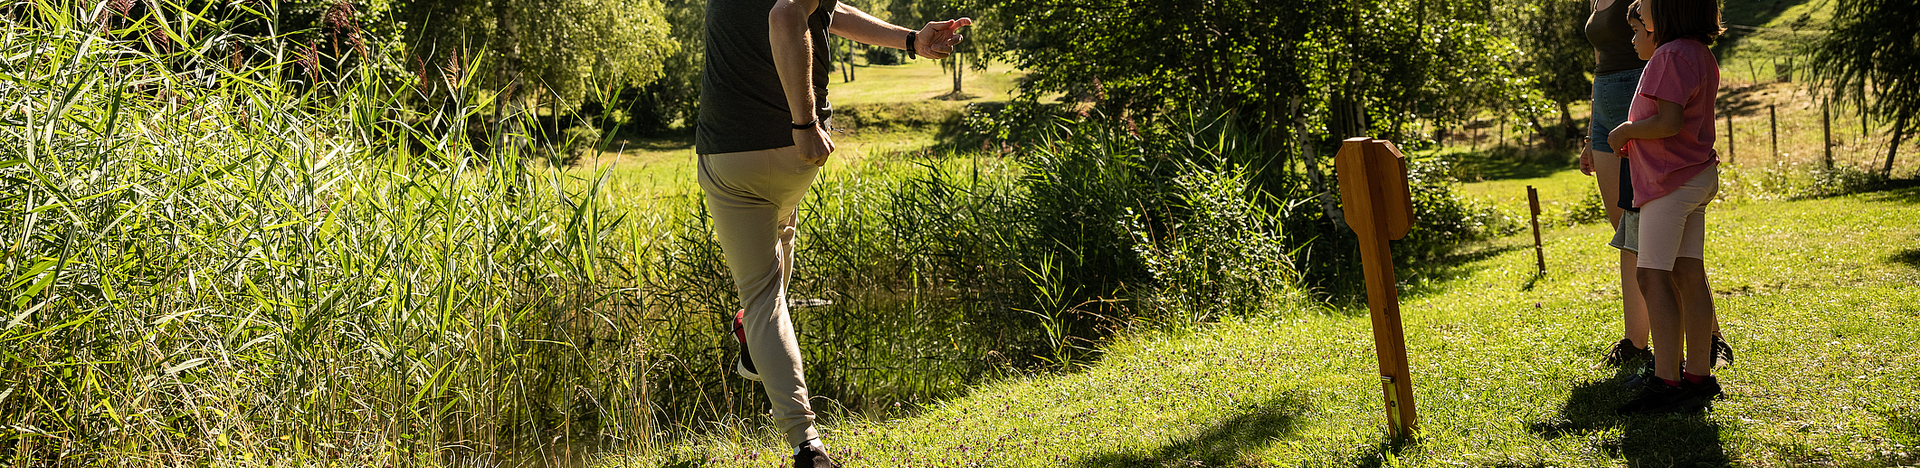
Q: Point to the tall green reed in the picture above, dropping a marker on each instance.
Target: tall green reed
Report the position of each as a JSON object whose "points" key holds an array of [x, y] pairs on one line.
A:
{"points": [[243, 270]]}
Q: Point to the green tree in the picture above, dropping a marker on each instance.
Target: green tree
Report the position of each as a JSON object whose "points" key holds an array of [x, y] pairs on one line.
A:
{"points": [[558, 49], [1551, 35], [1871, 57], [674, 98], [1348, 67]]}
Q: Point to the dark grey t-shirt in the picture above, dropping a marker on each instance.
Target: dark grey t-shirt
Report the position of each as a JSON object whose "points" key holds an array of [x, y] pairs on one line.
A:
{"points": [[742, 106]]}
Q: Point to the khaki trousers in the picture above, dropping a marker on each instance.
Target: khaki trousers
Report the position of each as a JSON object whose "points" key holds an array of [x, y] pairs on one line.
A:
{"points": [[754, 197]]}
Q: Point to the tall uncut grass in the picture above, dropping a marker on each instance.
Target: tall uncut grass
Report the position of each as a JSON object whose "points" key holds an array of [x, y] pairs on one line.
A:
{"points": [[207, 261]]}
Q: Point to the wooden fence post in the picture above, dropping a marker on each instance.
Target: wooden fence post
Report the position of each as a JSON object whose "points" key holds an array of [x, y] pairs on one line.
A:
{"points": [[1373, 189], [1773, 128], [1826, 133], [1539, 252]]}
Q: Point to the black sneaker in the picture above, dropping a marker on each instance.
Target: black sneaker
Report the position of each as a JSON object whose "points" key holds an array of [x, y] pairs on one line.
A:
{"points": [[743, 365], [1658, 397], [1708, 388], [1722, 353], [1624, 353], [810, 457]]}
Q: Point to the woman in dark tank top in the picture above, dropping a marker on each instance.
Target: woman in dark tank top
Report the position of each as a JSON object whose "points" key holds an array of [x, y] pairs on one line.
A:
{"points": [[1616, 74]]}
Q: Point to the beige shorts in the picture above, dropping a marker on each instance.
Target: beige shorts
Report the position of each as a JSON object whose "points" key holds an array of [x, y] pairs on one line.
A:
{"points": [[1675, 225]]}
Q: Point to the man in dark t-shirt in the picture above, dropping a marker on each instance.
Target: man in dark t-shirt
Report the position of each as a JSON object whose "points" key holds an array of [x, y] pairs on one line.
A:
{"points": [[761, 139]]}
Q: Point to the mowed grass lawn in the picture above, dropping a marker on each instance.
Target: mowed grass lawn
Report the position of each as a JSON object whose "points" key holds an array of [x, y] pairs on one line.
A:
{"points": [[1820, 299]]}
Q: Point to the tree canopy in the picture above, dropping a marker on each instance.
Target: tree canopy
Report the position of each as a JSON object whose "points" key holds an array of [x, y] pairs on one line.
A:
{"points": [[559, 47], [1380, 63], [1871, 56]]}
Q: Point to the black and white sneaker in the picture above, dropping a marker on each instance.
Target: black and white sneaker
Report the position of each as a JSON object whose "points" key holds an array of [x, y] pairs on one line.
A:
{"points": [[1624, 353], [811, 456], [1722, 353], [743, 365]]}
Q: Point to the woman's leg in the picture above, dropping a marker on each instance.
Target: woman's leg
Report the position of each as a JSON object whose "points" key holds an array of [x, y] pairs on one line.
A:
{"points": [[1606, 172], [1634, 302], [1634, 307]]}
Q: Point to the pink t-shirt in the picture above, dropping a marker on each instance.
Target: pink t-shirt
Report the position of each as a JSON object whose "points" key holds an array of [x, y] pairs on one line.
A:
{"points": [[1684, 72]]}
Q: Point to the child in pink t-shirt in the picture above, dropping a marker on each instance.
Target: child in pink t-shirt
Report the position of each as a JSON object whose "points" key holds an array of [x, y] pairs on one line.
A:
{"points": [[1668, 140]]}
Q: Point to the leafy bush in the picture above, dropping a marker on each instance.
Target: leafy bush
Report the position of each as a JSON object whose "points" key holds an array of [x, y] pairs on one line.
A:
{"points": [[1225, 258], [883, 56]]}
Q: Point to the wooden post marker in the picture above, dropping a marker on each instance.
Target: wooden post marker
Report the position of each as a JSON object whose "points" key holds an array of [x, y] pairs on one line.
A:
{"points": [[1373, 188], [1533, 205]]}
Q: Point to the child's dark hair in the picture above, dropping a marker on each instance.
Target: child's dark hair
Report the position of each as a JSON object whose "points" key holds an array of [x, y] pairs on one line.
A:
{"points": [[1681, 19]]}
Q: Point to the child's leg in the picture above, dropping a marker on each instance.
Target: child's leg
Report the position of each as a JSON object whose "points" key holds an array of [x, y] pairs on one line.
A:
{"points": [[1672, 276], [1695, 298], [1663, 314], [1690, 276]]}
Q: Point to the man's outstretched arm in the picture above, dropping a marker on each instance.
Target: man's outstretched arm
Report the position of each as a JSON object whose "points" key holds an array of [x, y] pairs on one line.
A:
{"points": [[935, 40]]}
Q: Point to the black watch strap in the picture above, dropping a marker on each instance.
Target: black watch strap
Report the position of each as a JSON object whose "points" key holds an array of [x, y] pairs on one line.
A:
{"points": [[912, 41], [807, 126]]}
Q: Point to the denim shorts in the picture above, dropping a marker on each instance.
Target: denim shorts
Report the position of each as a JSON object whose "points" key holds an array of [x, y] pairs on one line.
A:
{"points": [[1612, 94]]}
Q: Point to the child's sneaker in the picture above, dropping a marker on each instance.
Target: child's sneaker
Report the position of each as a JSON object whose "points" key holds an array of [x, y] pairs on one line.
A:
{"points": [[743, 365], [1624, 353], [1722, 353], [1658, 397], [1708, 388]]}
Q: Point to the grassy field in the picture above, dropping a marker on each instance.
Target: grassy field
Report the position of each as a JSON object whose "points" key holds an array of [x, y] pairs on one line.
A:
{"points": [[1502, 363]]}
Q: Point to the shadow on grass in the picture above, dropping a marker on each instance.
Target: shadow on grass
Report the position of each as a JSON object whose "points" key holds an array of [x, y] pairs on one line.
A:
{"points": [[1227, 443], [1510, 162], [1909, 257], [1427, 278], [1899, 191], [1645, 440], [1384, 453], [1752, 14]]}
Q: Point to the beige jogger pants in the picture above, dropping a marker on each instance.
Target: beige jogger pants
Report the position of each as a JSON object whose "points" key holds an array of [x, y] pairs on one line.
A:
{"points": [[754, 197]]}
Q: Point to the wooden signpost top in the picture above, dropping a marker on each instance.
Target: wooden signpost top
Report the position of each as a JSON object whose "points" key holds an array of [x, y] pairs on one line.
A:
{"points": [[1379, 208]]}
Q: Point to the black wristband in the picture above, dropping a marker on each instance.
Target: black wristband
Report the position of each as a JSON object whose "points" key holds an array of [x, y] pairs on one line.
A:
{"points": [[807, 126], [912, 49]]}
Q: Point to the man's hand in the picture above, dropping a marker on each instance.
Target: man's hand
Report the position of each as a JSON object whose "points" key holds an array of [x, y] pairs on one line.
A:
{"points": [[936, 41], [815, 145]]}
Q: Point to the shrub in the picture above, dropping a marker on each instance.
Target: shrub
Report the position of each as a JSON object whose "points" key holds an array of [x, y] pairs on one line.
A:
{"points": [[1226, 257]]}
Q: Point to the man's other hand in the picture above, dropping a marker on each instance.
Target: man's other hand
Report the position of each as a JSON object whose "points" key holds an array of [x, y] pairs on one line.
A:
{"points": [[815, 145]]}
